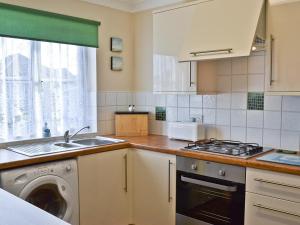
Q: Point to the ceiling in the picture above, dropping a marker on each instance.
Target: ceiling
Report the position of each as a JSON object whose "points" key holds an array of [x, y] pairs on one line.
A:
{"points": [[134, 5]]}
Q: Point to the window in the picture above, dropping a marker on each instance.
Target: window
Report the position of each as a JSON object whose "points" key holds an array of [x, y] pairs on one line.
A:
{"points": [[42, 82]]}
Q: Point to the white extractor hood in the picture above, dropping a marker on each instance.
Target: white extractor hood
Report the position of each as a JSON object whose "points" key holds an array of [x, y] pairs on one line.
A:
{"points": [[223, 29]]}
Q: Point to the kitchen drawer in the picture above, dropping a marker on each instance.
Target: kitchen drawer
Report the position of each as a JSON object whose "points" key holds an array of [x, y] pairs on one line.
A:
{"points": [[263, 210], [279, 185]]}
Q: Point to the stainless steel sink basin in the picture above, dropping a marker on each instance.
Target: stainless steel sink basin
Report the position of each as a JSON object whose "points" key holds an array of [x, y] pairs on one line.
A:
{"points": [[66, 145], [93, 142]]}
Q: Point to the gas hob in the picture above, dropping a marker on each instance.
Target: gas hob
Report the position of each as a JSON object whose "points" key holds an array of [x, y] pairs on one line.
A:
{"points": [[227, 147]]}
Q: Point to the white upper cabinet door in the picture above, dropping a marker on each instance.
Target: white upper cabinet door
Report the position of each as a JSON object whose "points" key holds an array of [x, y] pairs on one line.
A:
{"points": [[169, 28], [220, 29], [283, 61]]}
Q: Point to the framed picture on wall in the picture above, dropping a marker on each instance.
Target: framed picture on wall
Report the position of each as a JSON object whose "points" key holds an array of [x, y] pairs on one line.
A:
{"points": [[116, 44], [116, 63]]}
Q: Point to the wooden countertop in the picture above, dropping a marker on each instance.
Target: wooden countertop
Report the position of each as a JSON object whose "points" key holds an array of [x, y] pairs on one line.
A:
{"points": [[165, 145], [14, 210], [9, 159]]}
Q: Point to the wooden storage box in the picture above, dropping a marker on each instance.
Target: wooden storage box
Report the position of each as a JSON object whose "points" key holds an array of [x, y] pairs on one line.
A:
{"points": [[131, 123]]}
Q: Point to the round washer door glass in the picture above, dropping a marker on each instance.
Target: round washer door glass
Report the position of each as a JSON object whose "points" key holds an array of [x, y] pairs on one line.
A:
{"points": [[51, 194], [48, 198]]}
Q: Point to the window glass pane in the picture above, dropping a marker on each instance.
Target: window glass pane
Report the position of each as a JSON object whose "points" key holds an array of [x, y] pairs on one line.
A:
{"points": [[45, 83]]}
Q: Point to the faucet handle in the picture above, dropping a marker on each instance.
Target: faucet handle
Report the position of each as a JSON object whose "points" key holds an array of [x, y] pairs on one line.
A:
{"points": [[66, 136]]}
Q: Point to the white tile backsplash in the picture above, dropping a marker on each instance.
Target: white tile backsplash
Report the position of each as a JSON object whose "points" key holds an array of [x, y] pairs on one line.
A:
{"points": [[224, 84], [183, 101], [238, 118], [209, 116], [291, 121], [271, 138], [172, 114], [160, 100], [223, 132], [291, 103], [239, 65], [272, 119], [256, 83], [122, 99], [223, 117], [196, 101], [273, 103], [172, 100], [183, 114], [209, 101], [238, 133], [255, 135], [223, 101], [224, 67], [239, 83], [196, 113], [111, 98], [225, 114], [256, 64], [255, 118], [239, 101], [290, 140]]}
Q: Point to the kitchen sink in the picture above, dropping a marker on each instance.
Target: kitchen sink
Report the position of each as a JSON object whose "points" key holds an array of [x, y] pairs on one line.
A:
{"points": [[93, 142], [66, 145]]}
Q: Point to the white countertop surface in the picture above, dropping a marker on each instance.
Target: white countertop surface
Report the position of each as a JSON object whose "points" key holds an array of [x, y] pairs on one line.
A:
{"points": [[15, 211]]}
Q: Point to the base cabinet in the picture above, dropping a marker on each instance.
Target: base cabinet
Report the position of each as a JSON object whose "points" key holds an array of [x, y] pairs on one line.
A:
{"points": [[272, 198], [127, 186], [104, 188], [264, 210], [154, 188]]}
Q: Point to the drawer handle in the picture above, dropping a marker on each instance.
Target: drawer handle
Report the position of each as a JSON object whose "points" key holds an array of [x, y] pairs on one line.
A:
{"points": [[276, 210], [276, 183]]}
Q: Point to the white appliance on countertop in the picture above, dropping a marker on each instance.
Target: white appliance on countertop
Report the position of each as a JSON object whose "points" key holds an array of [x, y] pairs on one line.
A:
{"points": [[53, 187], [187, 131]]}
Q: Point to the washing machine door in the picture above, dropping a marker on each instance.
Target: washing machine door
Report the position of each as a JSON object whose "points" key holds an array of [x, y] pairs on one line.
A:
{"points": [[50, 193]]}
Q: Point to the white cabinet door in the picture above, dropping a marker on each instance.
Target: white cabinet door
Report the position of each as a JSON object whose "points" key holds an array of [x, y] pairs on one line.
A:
{"points": [[154, 188], [169, 75], [103, 181], [283, 62], [263, 210], [220, 29]]}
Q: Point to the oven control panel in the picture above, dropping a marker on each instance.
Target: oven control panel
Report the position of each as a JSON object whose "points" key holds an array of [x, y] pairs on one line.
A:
{"points": [[211, 169]]}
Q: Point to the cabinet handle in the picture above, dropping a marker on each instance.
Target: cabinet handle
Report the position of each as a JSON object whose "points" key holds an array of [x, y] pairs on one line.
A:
{"points": [[271, 59], [276, 183], [191, 74], [126, 178], [169, 181], [219, 51], [276, 210]]}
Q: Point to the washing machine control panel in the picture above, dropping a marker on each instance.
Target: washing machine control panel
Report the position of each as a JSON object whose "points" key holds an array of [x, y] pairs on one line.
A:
{"points": [[43, 171]]}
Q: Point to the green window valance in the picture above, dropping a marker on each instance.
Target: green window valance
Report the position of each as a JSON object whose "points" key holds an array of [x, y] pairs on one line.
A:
{"points": [[26, 23]]}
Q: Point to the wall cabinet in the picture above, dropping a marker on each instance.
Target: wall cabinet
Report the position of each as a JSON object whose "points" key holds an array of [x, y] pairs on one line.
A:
{"points": [[272, 198], [104, 188], [127, 186], [169, 75], [283, 62], [154, 188]]}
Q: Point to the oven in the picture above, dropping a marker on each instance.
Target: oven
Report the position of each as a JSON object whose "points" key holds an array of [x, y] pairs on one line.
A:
{"points": [[209, 193]]}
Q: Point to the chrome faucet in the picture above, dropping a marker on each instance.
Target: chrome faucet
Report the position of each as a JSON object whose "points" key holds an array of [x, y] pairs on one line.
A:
{"points": [[68, 137]]}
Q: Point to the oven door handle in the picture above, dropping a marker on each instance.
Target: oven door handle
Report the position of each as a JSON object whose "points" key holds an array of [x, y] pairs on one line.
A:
{"points": [[209, 184]]}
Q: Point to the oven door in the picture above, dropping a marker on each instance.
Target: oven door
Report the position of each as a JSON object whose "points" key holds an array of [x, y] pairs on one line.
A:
{"points": [[205, 200]]}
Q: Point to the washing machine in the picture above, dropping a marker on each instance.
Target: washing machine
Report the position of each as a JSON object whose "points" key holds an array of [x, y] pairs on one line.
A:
{"points": [[52, 187]]}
